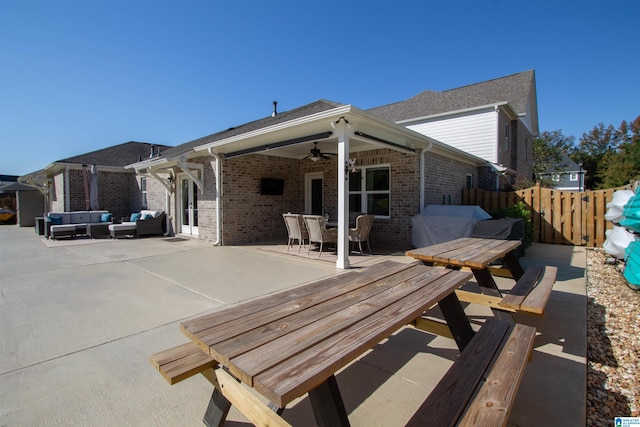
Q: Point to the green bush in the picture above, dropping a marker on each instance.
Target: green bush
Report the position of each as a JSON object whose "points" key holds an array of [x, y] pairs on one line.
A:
{"points": [[519, 210]]}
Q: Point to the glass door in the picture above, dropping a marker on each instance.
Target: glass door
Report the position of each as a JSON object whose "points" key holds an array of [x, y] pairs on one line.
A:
{"points": [[314, 197], [188, 206]]}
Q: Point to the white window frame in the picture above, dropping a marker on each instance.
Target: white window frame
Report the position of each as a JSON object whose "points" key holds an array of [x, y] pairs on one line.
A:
{"points": [[573, 176], [363, 188]]}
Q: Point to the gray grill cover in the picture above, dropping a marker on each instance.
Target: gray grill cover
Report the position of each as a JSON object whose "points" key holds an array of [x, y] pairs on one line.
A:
{"points": [[441, 223]]}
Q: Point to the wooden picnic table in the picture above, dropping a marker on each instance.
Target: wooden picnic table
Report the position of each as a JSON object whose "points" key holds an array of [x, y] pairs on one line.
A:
{"points": [[531, 292], [290, 343]]}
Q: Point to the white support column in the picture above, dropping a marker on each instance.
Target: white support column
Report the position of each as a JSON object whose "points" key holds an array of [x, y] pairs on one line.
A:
{"points": [[342, 131]]}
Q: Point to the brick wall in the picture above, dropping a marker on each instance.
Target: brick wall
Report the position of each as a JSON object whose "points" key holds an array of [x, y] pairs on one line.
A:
{"points": [[249, 217], [445, 178], [114, 192], [525, 152]]}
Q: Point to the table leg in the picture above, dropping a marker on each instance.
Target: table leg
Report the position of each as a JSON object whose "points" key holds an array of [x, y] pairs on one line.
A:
{"points": [[217, 410], [327, 404], [511, 260], [457, 320], [488, 287]]}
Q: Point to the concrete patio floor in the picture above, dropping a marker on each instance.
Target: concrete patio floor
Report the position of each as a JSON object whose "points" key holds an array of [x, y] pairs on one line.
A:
{"points": [[79, 320]]}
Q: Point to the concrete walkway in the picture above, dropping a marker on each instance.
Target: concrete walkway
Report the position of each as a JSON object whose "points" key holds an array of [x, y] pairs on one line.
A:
{"points": [[79, 320]]}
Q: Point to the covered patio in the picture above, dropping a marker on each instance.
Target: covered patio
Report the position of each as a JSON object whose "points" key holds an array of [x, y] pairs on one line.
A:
{"points": [[325, 138]]}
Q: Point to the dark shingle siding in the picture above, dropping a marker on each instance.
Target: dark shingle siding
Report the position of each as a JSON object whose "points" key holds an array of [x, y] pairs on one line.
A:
{"points": [[514, 89], [305, 110], [118, 155]]}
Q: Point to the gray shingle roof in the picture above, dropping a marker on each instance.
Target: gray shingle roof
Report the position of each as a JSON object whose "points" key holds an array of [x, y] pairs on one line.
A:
{"points": [[305, 110], [118, 155], [514, 89]]}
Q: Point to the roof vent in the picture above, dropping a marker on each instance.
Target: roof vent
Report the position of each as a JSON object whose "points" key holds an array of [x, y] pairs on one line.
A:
{"points": [[275, 109], [151, 155]]}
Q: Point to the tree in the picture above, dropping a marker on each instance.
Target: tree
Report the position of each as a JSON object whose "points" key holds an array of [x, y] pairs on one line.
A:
{"points": [[549, 148], [623, 164], [610, 156]]}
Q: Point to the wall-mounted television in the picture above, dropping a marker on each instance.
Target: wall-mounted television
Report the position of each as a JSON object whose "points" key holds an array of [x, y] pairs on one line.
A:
{"points": [[272, 186]]}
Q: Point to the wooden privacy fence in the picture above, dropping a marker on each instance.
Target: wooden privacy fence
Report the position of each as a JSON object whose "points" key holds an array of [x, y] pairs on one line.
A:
{"points": [[559, 217]]}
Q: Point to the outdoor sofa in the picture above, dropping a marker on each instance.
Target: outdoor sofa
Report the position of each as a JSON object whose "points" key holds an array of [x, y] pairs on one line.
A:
{"points": [[75, 223], [143, 223]]}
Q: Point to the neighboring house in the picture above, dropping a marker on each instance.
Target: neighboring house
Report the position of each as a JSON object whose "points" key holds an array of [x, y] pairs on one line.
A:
{"points": [[566, 175], [7, 191], [495, 120], [7, 179], [65, 183]]}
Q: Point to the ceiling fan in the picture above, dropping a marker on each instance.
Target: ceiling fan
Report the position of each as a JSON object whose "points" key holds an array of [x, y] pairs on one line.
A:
{"points": [[316, 154]]}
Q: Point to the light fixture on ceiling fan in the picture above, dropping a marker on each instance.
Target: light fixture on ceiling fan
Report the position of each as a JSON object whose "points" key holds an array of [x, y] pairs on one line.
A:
{"points": [[316, 154]]}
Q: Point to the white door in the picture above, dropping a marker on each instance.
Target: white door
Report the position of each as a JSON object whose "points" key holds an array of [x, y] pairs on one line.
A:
{"points": [[188, 206], [313, 193]]}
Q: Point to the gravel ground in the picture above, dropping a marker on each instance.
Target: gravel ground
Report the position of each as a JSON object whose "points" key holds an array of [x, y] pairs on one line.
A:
{"points": [[613, 337]]}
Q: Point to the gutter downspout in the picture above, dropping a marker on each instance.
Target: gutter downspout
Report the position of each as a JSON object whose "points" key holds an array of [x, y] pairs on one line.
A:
{"points": [[167, 219], [67, 190], [423, 153], [216, 156]]}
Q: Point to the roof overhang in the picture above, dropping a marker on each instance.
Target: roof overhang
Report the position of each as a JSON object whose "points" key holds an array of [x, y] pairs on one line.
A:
{"points": [[294, 138], [504, 106]]}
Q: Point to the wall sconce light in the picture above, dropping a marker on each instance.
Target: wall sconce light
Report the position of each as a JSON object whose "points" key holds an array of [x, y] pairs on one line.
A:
{"points": [[349, 166], [170, 179]]}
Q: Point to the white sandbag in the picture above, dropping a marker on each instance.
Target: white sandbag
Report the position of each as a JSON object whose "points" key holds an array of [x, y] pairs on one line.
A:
{"points": [[616, 206], [618, 238]]}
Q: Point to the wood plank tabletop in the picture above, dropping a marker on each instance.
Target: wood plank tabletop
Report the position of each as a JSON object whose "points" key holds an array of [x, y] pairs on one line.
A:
{"points": [[288, 343], [465, 252]]}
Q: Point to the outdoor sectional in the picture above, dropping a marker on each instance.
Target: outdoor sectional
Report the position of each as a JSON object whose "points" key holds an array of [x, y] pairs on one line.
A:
{"points": [[148, 223], [75, 223]]}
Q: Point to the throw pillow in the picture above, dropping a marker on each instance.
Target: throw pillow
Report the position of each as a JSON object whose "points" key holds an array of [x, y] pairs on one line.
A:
{"points": [[147, 216], [106, 217], [55, 220], [134, 217]]}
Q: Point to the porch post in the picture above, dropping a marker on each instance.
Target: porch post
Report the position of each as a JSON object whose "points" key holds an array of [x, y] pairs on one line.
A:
{"points": [[341, 127]]}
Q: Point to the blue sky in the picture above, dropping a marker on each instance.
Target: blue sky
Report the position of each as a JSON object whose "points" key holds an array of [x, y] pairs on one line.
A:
{"points": [[77, 76]]}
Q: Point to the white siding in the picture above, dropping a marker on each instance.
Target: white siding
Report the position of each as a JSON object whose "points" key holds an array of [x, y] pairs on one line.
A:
{"points": [[473, 132]]}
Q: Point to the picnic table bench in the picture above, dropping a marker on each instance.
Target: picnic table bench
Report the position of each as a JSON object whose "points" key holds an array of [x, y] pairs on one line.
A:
{"points": [[531, 292], [291, 343]]}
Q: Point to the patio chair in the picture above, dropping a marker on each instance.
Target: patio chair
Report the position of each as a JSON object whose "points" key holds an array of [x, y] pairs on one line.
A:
{"points": [[360, 233], [318, 232], [296, 229]]}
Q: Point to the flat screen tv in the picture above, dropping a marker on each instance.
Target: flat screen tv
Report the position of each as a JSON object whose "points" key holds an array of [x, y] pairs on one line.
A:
{"points": [[272, 186]]}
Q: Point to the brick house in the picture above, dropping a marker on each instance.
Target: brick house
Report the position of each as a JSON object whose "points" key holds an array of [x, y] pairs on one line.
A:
{"points": [[64, 182], [216, 191], [421, 151]]}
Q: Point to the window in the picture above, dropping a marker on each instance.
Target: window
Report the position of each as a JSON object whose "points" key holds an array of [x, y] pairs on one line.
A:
{"points": [[469, 181], [143, 189], [506, 137], [369, 190], [555, 177], [573, 176]]}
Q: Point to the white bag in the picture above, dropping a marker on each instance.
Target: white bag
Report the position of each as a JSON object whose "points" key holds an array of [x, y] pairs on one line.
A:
{"points": [[618, 238], [616, 206]]}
